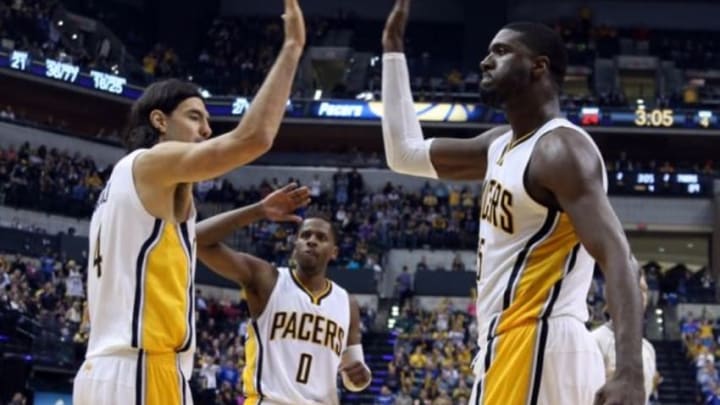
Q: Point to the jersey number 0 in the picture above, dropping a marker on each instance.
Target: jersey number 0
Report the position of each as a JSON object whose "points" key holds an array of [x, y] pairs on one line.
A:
{"points": [[303, 372]]}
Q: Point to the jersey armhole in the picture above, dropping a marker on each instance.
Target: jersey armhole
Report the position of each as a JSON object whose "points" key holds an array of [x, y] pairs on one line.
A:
{"points": [[580, 132], [273, 292], [135, 198], [525, 177]]}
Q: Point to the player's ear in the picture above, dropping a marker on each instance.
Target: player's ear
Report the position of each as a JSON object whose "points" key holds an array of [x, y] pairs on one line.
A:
{"points": [[334, 254], [541, 65], [159, 121]]}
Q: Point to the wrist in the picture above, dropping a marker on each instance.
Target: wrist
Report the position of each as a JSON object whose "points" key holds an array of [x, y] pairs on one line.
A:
{"points": [[629, 371], [393, 47], [293, 47], [259, 210], [393, 55]]}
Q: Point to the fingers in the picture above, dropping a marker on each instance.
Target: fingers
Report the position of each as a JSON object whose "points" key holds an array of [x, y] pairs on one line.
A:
{"points": [[289, 187], [304, 202], [293, 218], [354, 368], [301, 193], [356, 372]]}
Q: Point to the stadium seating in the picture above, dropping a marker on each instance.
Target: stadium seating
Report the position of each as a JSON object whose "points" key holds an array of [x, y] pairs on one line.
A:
{"points": [[419, 326]]}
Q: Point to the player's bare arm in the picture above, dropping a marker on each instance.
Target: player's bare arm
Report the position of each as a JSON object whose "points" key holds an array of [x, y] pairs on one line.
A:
{"points": [[566, 167], [255, 275], [278, 206], [463, 159], [171, 163], [406, 149], [356, 375]]}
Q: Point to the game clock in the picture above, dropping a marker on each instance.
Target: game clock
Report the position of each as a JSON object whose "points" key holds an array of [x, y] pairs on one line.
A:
{"points": [[654, 118]]}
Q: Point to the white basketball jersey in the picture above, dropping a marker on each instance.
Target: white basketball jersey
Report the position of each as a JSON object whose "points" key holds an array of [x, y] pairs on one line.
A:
{"points": [[605, 338], [293, 349], [140, 275], [531, 265]]}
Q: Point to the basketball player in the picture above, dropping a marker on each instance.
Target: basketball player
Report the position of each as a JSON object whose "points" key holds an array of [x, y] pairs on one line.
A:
{"points": [[605, 340], [305, 328], [544, 217], [142, 233]]}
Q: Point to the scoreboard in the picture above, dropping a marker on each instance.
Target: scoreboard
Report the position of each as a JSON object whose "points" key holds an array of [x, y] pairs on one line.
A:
{"points": [[118, 87]]}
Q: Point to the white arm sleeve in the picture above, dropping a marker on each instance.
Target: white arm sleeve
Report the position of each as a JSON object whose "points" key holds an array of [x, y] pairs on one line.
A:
{"points": [[406, 150]]}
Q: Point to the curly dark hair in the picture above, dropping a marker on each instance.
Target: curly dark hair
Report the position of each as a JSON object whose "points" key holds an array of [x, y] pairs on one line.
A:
{"points": [[165, 96]]}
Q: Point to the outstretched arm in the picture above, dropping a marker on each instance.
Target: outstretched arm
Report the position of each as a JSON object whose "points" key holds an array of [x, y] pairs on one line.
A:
{"points": [[406, 149], [567, 165], [278, 206], [239, 267], [171, 163]]}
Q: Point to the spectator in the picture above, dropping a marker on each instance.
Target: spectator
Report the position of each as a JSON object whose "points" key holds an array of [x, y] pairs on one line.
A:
{"points": [[714, 397], [708, 379], [403, 397], [704, 357], [457, 263], [706, 334], [386, 397], [462, 392], [316, 188], [74, 281], [403, 286], [18, 399], [418, 358], [229, 374], [7, 113], [422, 265], [209, 370]]}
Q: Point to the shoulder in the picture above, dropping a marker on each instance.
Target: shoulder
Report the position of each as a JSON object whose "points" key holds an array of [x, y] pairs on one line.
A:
{"points": [[566, 145], [353, 303], [354, 307], [128, 161], [565, 157]]}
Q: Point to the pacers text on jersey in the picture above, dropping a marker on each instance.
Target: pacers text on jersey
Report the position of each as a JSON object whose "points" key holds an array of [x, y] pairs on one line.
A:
{"points": [[308, 327], [497, 206]]}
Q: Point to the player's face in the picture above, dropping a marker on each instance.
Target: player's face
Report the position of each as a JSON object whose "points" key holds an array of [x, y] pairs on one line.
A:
{"points": [[315, 246], [506, 70], [188, 122]]}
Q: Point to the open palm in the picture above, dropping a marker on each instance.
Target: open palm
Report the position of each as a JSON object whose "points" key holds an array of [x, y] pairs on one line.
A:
{"points": [[281, 204]]}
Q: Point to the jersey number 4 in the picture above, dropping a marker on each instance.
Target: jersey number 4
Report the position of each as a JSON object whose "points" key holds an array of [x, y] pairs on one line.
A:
{"points": [[303, 372]]}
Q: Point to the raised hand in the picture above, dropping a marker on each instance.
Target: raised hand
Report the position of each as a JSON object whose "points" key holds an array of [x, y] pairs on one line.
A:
{"points": [[394, 33], [280, 205], [294, 24]]}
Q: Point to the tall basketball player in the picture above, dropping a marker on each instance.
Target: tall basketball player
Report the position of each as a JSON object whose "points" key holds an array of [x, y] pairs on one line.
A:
{"points": [[142, 233], [305, 328], [545, 217]]}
